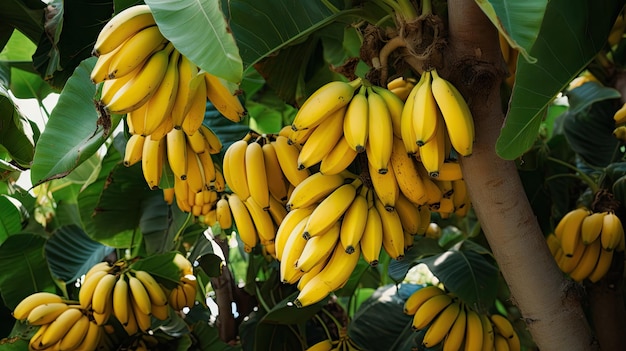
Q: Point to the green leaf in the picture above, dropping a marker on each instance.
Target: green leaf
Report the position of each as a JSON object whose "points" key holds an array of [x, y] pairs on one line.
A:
{"points": [[210, 44], [518, 20], [70, 253], [285, 312], [423, 247], [160, 266], [570, 37], [10, 218], [73, 133], [27, 16], [582, 97], [208, 338], [467, 274], [23, 268], [13, 134]]}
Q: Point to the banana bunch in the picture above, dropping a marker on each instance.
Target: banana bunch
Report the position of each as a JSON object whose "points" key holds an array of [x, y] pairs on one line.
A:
{"points": [[143, 74], [455, 325], [62, 325], [401, 87], [583, 243], [184, 294]]}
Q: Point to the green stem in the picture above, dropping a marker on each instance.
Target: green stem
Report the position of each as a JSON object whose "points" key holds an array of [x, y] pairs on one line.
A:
{"points": [[407, 9], [391, 3], [330, 6], [261, 300], [319, 319], [182, 227], [427, 7], [330, 315], [579, 174]]}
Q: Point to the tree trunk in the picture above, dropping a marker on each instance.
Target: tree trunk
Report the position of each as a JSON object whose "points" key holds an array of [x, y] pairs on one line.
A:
{"points": [[549, 304]]}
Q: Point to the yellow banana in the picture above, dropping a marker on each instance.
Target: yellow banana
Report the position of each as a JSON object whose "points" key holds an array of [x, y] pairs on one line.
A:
{"points": [[620, 115], [553, 243], [135, 120], [456, 336], [442, 324], [426, 117], [428, 310], [620, 133], [334, 275], [500, 343], [380, 136], [35, 340], [570, 236], [277, 211], [87, 288], [456, 113], [587, 261], [602, 266], [299, 137], [92, 337], [355, 121], [136, 50], [162, 129], [408, 179], [24, 307], [432, 153], [488, 333], [154, 290], [142, 86], [160, 312], [120, 301], [409, 215], [139, 294], [196, 105], [208, 170], [502, 325], [407, 133], [324, 101], [60, 326], [395, 106], [103, 293], [329, 210], [236, 171], [181, 190], [243, 221], [338, 159], [474, 333], [290, 253], [262, 221], [385, 186], [224, 101], [143, 320], [213, 142], [195, 176], [318, 248], [187, 70], [324, 345], [450, 171], [223, 213], [75, 334], [288, 225], [133, 150], [393, 235], [110, 87], [121, 27], [354, 222], [159, 106], [322, 140], [559, 229], [288, 159], [152, 161], [100, 71], [612, 232], [46, 313], [514, 343], [276, 181], [307, 276], [372, 240], [313, 190], [256, 176]]}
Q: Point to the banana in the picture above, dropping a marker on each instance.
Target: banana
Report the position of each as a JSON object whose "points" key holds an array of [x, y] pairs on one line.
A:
{"points": [[380, 136], [355, 121], [458, 118], [277, 211], [322, 140], [190, 286], [236, 171], [181, 190], [110, 87], [313, 189], [100, 71], [620, 115], [568, 263], [160, 312], [152, 161], [424, 213], [187, 70], [162, 129], [426, 116], [334, 275], [276, 181], [262, 221], [205, 162], [155, 292], [455, 338], [120, 301], [299, 137], [307, 276], [372, 240], [318, 248], [88, 287], [133, 150], [224, 101], [338, 159], [60, 326], [502, 326], [408, 179], [474, 333], [324, 101], [139, 294], [553, 243], [433, 193], [602, 266], [288, 159], [92, 337], [135, 120], [256, 177], [354, 222], [409, 215], [100, 266], [501, 343], [329, 210], [612, 232], [393, 235], [569, 232], [395, 106], [142, 320], [428, 310], [407, 133], [103, 293], [142, 86], [223, 214], [75, 334], [196, 105], [213, 143], [416, 299], [135, 51], [324, 345], [385, 186], [243, 221], [488, 333], [46, 313], [586, 263], [442, 324], [620, 133], [159, 106], [450, 171], [25, 307], [35, 340], [293, 248], [432, 153], [121, 27], [288, 225]]}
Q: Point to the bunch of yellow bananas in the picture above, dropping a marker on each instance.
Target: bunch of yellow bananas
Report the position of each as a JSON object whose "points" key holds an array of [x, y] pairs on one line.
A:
{"points": [[452, 323], [184, 294], [62, 325], [583, 243]]}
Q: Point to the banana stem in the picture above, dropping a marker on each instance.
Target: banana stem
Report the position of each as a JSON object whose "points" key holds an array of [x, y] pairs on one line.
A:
{"points": [[427, 7], [579, 174], [383, 55], [407, 9]]}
